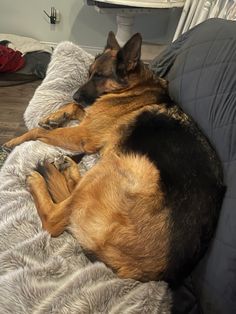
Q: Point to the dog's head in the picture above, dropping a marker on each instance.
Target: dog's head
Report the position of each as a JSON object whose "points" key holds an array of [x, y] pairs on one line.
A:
{"points": [[112, 71]]}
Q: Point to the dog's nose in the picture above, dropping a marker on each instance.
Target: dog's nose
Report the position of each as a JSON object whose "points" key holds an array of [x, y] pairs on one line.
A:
{"points": [[82, 98], [77, 96]]}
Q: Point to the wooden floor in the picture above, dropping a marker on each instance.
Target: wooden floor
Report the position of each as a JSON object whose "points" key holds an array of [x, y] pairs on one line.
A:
{"points": [[13, 102]]}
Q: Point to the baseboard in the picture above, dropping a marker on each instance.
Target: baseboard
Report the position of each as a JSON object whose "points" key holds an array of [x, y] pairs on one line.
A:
{"points": [[49, 43], [89, 49]]}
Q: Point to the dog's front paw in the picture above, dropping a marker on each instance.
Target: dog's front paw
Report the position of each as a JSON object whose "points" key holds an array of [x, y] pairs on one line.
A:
{"points": [[8, 146], [54, 120]]}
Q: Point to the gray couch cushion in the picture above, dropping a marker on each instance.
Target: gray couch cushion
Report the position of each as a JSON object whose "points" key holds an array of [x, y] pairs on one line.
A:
{"points": [[201, 69]]}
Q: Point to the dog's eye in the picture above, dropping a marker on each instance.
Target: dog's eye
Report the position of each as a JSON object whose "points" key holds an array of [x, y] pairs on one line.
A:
{"points": [[98, 76]]}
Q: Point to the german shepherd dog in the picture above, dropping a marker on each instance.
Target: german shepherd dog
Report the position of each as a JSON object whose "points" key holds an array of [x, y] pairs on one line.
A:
{"points": [[149, 207]]}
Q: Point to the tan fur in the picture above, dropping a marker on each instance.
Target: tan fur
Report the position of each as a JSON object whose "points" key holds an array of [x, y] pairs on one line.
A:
{"points": [[117, 209], [56, 183], [125, 221]]}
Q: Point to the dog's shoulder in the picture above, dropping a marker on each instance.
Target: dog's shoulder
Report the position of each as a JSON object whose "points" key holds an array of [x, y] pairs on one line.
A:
{"points": [[170, 135]]}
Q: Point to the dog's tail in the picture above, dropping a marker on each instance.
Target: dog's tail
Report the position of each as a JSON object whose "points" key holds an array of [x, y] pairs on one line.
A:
{"points": [[56, 182]]}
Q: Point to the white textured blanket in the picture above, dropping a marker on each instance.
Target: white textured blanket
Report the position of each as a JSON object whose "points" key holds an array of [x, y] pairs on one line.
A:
{"points": [[40, 274]]}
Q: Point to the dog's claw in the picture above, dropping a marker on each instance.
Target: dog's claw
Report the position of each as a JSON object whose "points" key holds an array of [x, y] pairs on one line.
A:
{"points": [[6, 149], [62, 162], [53, 123], [8, 146], [44, 126], [49, 125]]}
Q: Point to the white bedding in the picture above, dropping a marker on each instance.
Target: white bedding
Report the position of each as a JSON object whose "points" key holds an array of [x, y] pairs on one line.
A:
{"points": [[40, 274]]}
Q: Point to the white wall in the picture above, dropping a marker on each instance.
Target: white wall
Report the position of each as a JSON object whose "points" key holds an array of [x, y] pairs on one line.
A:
{"points": [[79, 23]]}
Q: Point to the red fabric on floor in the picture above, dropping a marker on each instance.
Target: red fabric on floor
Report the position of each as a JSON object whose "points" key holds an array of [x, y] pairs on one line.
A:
{"points": [[10, 60]]}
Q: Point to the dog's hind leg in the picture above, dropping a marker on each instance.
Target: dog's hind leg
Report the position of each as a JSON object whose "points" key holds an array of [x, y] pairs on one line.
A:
{"points": [[54, 217], [70, 170], [55, 181], [61, 177]]}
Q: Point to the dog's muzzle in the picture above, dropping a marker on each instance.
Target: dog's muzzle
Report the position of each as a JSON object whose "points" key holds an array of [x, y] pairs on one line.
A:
{"points": [[83, 99]]}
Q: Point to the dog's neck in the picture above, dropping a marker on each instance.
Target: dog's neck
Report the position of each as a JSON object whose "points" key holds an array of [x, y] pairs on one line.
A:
{"points": [[120, 104]]}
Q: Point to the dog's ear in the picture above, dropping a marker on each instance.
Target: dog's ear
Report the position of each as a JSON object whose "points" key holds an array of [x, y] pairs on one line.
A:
{"points": [[112, 43], [129, 56]]}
